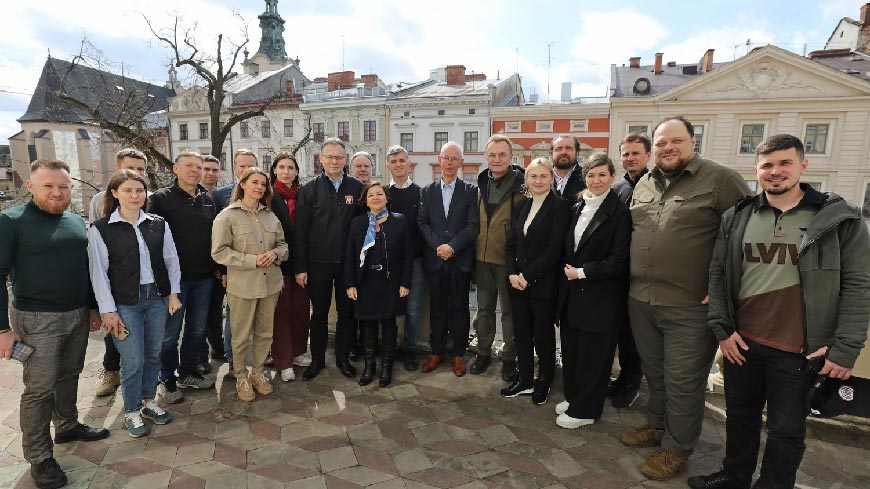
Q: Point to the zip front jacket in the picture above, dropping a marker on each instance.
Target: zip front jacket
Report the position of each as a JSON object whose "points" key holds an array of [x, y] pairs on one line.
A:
{"points": [[834, 268]]}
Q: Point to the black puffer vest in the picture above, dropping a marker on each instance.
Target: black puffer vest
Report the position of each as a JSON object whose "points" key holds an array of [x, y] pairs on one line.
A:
{"points": [[123, 272]]}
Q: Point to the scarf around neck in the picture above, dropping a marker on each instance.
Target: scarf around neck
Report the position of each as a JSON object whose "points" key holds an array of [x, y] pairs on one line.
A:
{"points": [[370, 234], [289, 194]]}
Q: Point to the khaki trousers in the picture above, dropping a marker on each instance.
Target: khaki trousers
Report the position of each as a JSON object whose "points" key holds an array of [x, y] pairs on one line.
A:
{"points": [[251, 317], [492, 287]]}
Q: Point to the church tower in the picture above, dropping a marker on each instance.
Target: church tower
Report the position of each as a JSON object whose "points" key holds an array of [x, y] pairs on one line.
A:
{"points": [[271, 55]]}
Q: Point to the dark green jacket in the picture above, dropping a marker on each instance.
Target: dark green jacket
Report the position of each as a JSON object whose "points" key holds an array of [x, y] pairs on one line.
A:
{"points": [[834, 267]]}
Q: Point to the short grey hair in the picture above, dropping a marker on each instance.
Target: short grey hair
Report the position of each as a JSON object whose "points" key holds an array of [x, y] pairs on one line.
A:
{"points": [[363, 153], [333, 142], [452, 144], [396, 149]]}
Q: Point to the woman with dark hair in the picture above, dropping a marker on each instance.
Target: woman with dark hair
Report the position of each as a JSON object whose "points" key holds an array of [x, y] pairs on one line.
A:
{"points": [[377, 271], [290, 332], [136, 278], [248, 239], [532, 253], [593, 293]]}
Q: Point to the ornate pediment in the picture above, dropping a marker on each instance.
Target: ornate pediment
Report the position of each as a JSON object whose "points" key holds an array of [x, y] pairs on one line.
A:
{"points": [[766, 80]]}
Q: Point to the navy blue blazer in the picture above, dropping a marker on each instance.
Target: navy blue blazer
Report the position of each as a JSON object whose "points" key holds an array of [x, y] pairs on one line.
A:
{"points": [[458, 229]]}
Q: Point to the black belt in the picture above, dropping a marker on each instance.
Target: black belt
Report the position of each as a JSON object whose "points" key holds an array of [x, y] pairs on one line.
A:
{"points": [[375, 267]]}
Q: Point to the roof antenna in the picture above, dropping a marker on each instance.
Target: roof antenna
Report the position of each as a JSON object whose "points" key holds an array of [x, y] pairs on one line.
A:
{"points": [[49, 52]]}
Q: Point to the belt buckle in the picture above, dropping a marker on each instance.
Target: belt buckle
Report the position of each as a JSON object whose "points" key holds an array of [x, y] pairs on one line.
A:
{"points": [[377, 267]]}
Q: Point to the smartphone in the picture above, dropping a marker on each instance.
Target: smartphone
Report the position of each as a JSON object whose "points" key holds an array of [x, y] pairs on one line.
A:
{"points": [[21, 351], [122, 333]]}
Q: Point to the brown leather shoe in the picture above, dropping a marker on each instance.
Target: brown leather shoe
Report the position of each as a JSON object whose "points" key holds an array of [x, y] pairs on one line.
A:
{"points": [[432, 363], [663, 464], [458, 366], [645, 436]]}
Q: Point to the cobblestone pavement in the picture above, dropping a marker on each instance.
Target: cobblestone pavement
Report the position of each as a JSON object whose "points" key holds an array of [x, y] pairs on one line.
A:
{"points": [[426, 430]]}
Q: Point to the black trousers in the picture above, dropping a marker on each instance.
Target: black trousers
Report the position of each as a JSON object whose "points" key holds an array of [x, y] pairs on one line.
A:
{"points": [[323, 279], [780, 379], [389, 330], [534, 330], [448, 300], [629, 359], [214, 324], [586, 362]]}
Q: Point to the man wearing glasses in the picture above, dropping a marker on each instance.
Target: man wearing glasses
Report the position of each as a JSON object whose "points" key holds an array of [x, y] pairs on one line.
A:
{"points": [[324, 210]]}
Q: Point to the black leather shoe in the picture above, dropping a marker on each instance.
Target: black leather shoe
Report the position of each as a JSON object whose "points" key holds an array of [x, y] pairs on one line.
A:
{"points": [[509, 372], [313, 369], [625, 396], [48, 474], [411, 363], [614, 386], [345, 367], [517, 389], [480, 364], [716, 480], [354, 354], [82, 432], [541, 394]]}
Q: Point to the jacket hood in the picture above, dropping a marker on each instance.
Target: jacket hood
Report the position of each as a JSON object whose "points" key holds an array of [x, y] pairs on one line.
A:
{"points": [[483, 177]]}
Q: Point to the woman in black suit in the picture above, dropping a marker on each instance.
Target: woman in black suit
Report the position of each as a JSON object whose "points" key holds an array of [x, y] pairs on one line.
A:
{"points": [[593, 293], [532, 253], [377, 271]]}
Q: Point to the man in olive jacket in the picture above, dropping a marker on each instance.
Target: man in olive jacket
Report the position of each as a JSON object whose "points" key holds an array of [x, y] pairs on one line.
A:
{"points": [[789, 300]]}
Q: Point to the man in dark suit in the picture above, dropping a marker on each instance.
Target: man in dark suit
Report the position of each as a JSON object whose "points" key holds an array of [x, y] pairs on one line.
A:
{"points": [[449, 221], [566, 170]]}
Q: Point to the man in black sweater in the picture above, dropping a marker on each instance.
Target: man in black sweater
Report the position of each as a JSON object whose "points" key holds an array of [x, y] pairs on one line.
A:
{"points": [[324, 210], [44, 249], [405, 196], [190, 212]]}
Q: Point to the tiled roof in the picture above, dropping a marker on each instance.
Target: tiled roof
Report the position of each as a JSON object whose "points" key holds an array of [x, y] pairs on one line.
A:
{"points": [[623, 78], [849, 62]]}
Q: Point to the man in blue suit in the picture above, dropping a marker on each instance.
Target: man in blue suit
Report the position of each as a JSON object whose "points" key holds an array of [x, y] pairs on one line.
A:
{"points": [[449, 221]]}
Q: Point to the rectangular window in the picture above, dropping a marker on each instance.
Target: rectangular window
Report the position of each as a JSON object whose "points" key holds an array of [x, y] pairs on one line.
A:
{"points": [[224, 160], [751, 136], [317, 167], [317, 130], [406, 139], [266, 160], [580, 126], [203, 130], [370, 130], [182, 132], [512, 126], [244, 130], [406, 113], [472, 111], [544, 126], [288, 128], [441, 112], [638, 129], [471, 140], [440, 140], [699, 138], [265, 129], [816, 139], [343, 131]]}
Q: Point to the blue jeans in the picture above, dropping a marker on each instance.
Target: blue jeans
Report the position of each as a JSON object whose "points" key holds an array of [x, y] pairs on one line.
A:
{"points": [[140, 351], [194, 297], [228, 337], [412, 315]]}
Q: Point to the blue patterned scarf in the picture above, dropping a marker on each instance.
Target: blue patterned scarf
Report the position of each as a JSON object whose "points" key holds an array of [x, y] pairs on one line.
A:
{"points": [[370, 235]]}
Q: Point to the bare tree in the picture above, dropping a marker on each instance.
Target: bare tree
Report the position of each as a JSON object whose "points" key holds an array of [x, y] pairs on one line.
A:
{"points": [[213, 70]]}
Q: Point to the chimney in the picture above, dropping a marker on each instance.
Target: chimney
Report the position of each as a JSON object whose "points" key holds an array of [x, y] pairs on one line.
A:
{"points": [[339, 80], [475, 77], [865, 14], [634, 62], [708, 60], [455, 75], [369, 81], [672, 64], [658, 66], [864, 32]]}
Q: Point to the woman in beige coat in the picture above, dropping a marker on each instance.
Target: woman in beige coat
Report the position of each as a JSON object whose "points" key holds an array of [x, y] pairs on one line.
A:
{"points": [[248, 239]]}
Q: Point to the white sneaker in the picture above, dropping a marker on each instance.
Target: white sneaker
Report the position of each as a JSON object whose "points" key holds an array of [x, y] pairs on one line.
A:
{"points": [[570, 423], [562, 407], [302, 360], [288, 375]]}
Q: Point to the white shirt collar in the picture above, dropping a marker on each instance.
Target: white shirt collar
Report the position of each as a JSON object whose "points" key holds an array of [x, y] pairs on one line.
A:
{"points": [[407, 184], [116, 217]]}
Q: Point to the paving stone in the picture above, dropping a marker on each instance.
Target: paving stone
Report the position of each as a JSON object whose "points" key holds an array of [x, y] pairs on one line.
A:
{"points": [[411, 461], [363, 476], [337, 458], [437, 477]]}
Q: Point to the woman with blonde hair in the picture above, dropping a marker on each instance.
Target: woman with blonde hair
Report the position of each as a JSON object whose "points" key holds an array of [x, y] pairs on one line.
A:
{"points": [[248, 239]]}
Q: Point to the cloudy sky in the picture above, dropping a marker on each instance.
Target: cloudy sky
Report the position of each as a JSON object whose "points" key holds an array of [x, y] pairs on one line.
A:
{"points": [[401, 40]]}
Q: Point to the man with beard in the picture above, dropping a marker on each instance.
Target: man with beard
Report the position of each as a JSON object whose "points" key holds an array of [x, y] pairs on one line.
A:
{"points": [[44, 249], [780, 257], [676, 210], [568, 175]]}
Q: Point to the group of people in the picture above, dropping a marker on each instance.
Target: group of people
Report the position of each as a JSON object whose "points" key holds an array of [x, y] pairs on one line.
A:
{"points": [[659, 266]]}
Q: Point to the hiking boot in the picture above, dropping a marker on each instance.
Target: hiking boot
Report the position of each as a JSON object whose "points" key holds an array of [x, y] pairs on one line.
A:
{"points": [[244, 390], [261, 384], [645, 436], [107, 382], [663, 464]]}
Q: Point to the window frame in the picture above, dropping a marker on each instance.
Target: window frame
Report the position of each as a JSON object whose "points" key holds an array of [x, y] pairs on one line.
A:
{"points": [[288, 126], [408, 147], [543, 126], [645, 132], [244, 130], [183, 134], [830, 131], [203, 130], [436, 139], [370, 130], [342, 130], [475, 139], [317, 133], [743, 124], [265, 129]]}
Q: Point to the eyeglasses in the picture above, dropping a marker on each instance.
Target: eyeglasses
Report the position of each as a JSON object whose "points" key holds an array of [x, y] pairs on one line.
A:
{"points": [[332, 158], [455, 159]]}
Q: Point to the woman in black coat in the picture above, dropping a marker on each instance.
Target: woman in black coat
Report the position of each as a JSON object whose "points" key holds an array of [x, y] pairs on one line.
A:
{"points": [[592, 294], [377, 271], [533, 250]]}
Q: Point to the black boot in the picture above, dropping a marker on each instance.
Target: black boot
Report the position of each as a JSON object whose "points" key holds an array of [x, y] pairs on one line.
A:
{"points": [[387, 367], [371, 365]]}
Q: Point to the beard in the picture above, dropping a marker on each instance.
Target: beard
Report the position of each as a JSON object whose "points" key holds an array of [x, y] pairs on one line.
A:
{"points": [[674, 169], [52, 206], [564, 163], [770, 190]]}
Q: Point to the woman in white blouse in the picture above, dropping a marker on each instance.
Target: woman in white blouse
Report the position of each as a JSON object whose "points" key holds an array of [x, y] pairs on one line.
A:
{"points": [[593, 293]]}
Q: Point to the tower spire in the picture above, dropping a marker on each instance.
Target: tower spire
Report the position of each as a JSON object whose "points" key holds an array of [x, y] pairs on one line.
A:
{"points": [[272, 28]]}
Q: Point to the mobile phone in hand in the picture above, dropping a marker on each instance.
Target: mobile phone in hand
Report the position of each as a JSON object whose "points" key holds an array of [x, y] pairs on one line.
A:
{"points": [[122, 333], [21, 351]]}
